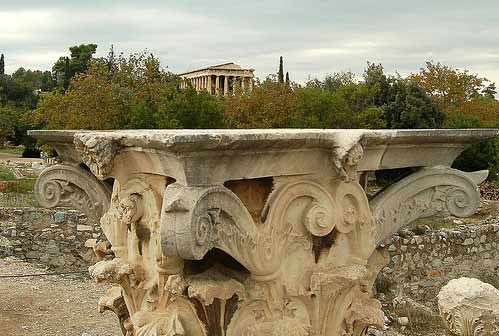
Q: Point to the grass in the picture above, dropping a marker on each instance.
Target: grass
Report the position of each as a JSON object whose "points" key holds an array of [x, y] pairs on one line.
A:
{"points": [[14, 185], [6, 174], [21, 186], [12, 150]]}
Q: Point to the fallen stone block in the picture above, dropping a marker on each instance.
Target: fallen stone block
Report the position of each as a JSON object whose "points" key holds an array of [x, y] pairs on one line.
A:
{"points": [[470, 307]]}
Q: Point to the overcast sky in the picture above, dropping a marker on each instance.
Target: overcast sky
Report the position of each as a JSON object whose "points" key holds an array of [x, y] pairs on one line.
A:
{"points": [[314, 37]]}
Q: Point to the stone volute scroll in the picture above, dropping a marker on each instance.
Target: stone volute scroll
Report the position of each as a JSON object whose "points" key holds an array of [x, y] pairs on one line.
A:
{"points": [[68, 186], [428, 192], [254, 232]]}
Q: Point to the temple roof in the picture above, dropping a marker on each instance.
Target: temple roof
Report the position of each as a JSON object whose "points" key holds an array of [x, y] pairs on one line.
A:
{"points": [[224, 66]]}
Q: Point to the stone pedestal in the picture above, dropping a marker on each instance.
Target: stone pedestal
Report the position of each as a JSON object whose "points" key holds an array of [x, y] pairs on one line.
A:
{"points": [[259, 232]]}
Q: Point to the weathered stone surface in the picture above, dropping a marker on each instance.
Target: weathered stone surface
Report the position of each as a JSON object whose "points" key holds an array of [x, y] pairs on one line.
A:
{"points": [[280, 212], [59, 216], [84, 228], [36, 236], [445, 258], [470, 307], [70, 186]]}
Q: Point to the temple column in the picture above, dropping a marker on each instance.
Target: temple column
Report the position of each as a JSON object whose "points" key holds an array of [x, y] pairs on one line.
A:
{"points": [[250, 84], [208, 84], [217, 85], [242, 84], [226, 85]]}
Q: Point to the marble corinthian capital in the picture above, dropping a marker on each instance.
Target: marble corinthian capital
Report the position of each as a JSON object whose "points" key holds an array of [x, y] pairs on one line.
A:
{"points": [[259, 232]]}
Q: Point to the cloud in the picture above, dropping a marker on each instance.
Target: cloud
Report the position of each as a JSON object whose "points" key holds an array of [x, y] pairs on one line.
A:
{"points": [[315, 37]]}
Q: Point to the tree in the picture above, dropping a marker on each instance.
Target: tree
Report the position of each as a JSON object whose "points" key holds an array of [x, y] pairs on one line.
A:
{"points": [[110, 59], [2, 65], [377, 83], [411, 107], [131, 92], [334, 81], [485, 109], [9, 116], [16, 92], [189, 109], [34, 79], [66, 67], [280, 73], [313, 108], [448, 87], [81, 56], [483, 155], [91, 102], [490, 91], [270, 105], [372, 118], [287, 78], [67, 73]]}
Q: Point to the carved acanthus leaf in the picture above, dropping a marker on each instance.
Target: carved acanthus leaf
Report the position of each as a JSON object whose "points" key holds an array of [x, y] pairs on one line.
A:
{"points": [[214, 217], [112, 271], [211, 285], [113, 301]]}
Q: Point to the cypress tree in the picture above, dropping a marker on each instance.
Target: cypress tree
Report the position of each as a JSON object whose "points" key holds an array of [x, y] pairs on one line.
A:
{"points": [[110, 59], [67, 73], [280, 74], [287, 78], [2, 65]]}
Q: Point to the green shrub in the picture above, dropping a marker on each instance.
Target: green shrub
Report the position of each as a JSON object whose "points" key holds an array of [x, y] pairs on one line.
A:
{"points": [[483, 155]]}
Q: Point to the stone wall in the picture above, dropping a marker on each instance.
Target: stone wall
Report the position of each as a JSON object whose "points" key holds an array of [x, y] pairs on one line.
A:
{"points": [[421, 264], [52, 237]]}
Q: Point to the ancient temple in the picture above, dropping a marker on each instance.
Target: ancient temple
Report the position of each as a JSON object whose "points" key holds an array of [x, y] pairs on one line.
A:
{"points": [[219, 79]]}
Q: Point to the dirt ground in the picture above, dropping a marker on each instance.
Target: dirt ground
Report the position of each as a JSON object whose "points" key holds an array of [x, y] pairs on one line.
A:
{"points": [[17, 158], [51, 305]]}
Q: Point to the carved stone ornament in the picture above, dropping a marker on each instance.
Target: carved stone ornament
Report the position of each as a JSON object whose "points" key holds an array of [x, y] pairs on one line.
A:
{"points": [[428, 192], [68, 186], [470, 307], [97, 153], [260, 232]]}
